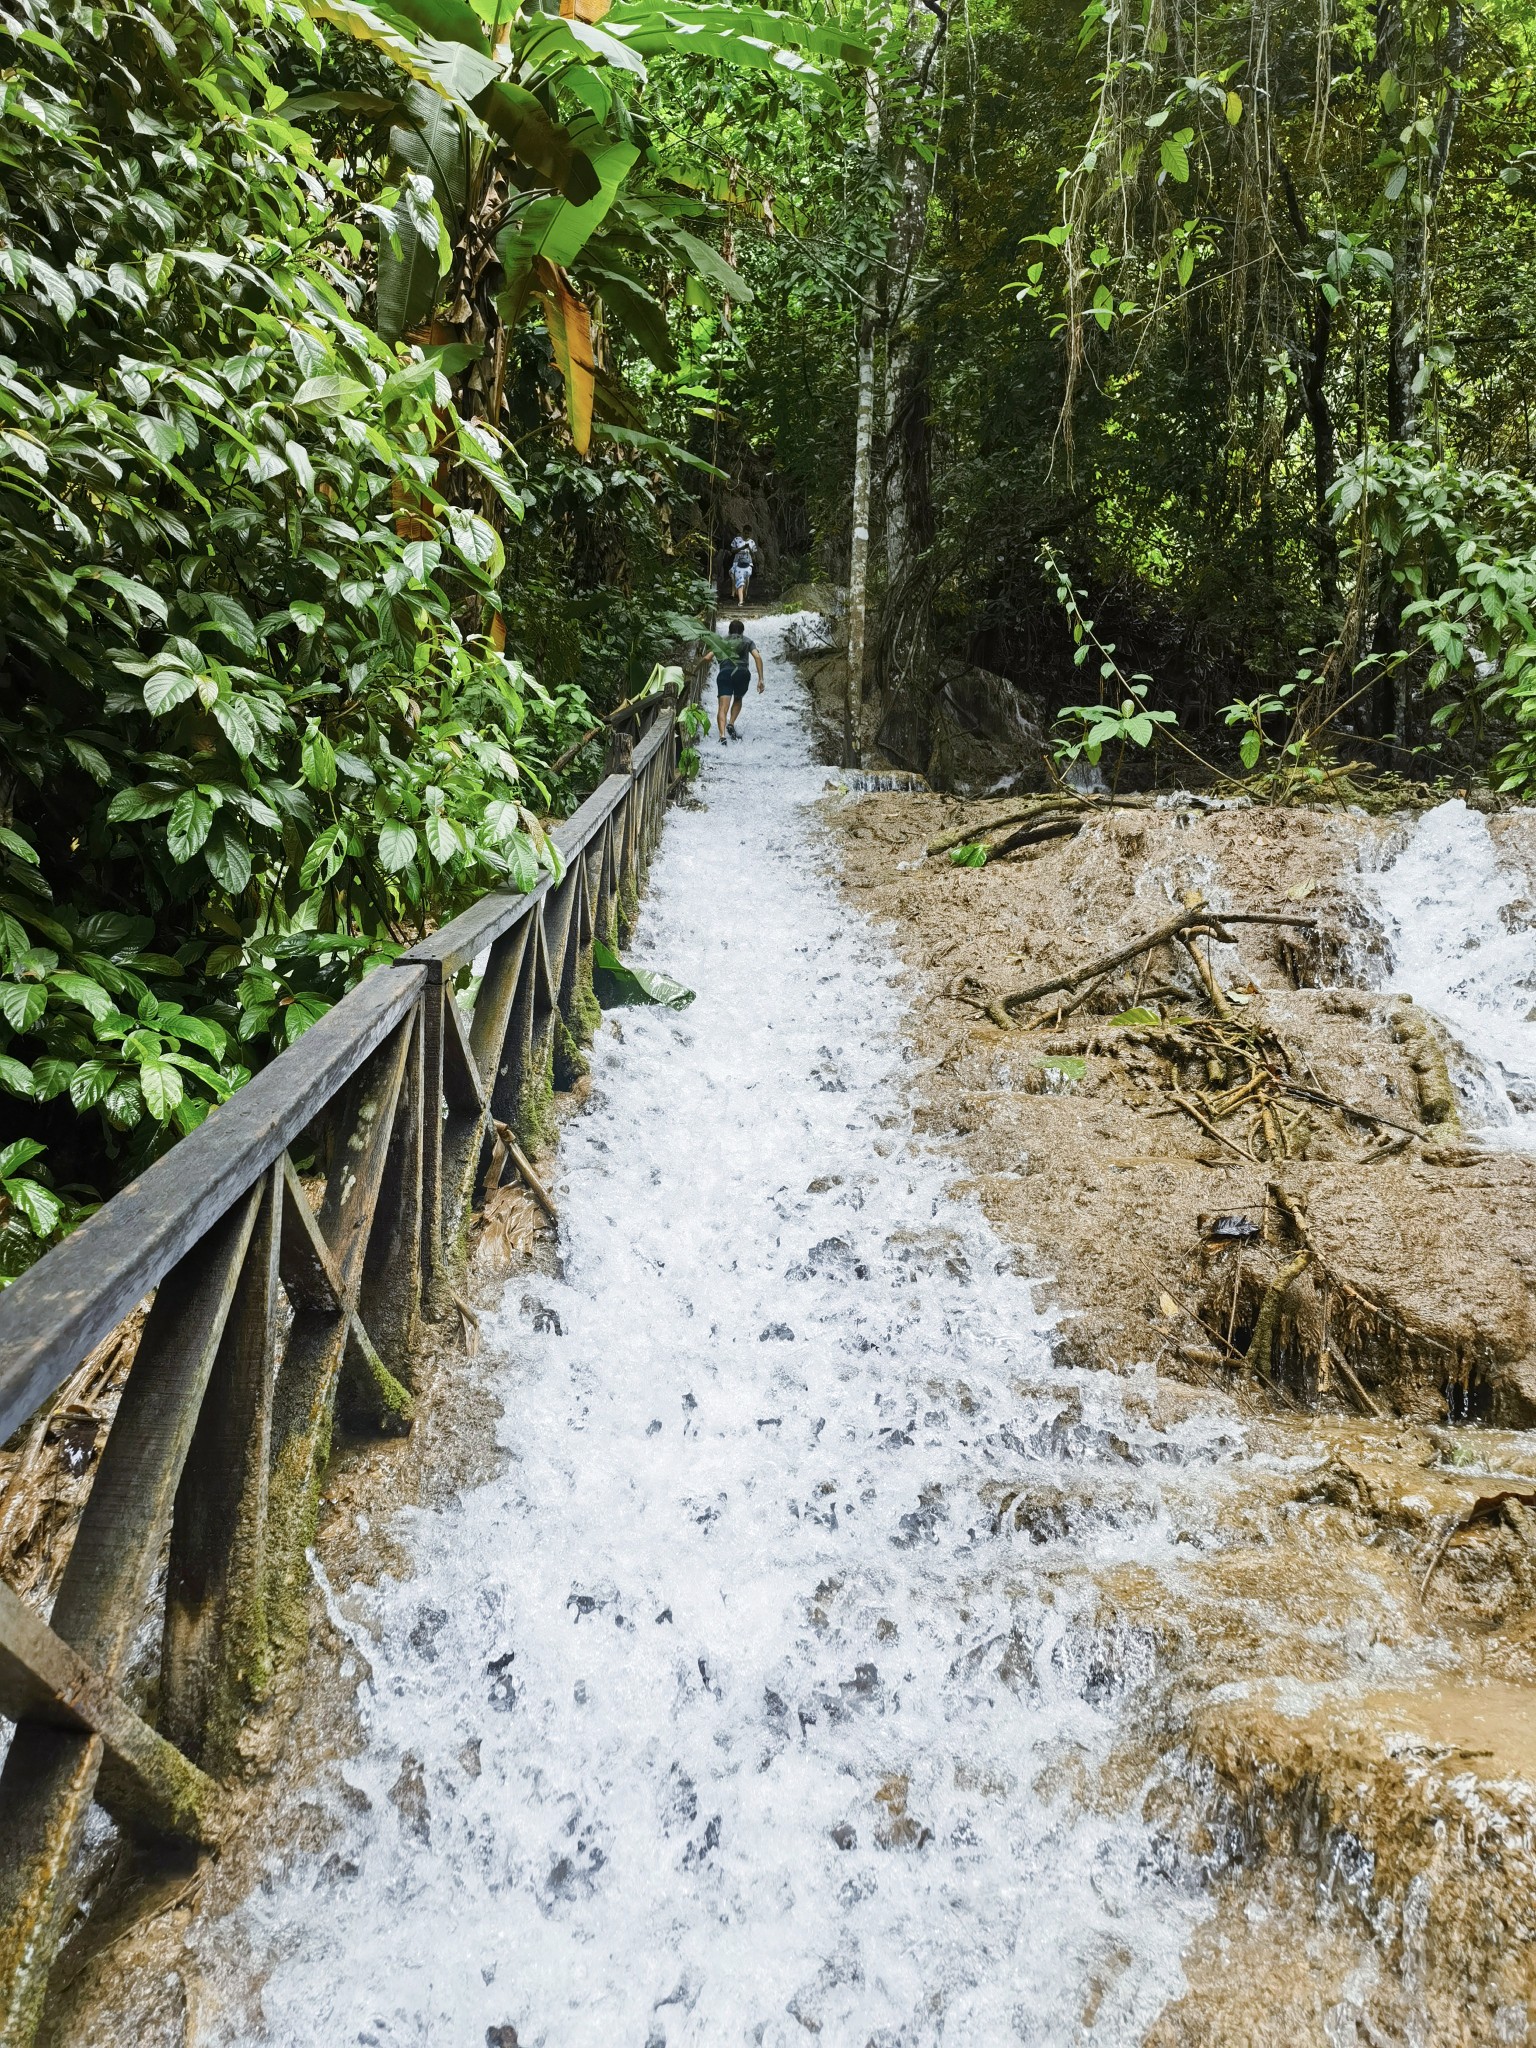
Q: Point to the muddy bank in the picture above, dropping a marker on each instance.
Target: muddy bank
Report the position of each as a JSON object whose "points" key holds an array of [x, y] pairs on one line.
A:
{"points": [[1340, 1681]]}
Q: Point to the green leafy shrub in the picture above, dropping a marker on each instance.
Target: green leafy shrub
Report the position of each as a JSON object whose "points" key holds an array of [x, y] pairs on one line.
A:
{"points": [[257, 729]]}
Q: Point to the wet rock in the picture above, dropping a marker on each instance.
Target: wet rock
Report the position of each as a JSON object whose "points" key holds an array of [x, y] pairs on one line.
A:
{"points": [[469, 1758], [423, 1637], [901, 1830], [863, 1685], [834, 1258], [776, 1333], [408, 1795], [505, 1691], [844, 1836], [922, 1524]]}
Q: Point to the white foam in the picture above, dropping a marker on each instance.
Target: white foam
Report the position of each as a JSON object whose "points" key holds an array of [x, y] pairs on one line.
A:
{"points": [[1446, 901], [735, 1582]]}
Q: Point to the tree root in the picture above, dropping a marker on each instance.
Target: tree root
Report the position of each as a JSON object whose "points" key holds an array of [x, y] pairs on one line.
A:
{"points": [[1262, 1342], [1187, 922]]}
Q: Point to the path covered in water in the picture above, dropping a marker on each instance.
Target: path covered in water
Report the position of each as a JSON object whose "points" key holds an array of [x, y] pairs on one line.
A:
{"points": [[722, 1715]]}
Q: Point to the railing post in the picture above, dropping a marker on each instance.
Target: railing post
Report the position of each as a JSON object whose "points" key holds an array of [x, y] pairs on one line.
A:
{"points": [[214, 1652], [50, 1773]]}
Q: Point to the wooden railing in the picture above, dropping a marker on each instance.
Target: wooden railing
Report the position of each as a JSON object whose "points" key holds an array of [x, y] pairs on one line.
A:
{"points": [[272, 1318]]}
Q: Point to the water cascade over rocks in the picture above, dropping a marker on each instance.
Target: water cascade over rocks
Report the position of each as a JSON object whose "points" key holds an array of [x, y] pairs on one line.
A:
{"points": [[1459, 931], [725, 1714]]}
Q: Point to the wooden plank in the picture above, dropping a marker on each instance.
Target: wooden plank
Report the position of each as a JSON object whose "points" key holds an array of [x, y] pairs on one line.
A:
{"points": [[363, 1125], [583, 826], [214, 1652], [493, 1005], [465, 1125], [117, 1544], [325, 1256], [466, 937], [389, 1297], [144, 1780], [65, 1304], [50, 1773], [653, 742], [518, 1084]]}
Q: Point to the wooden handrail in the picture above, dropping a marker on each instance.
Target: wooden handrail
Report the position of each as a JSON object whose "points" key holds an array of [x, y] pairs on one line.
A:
{"points": [[272, 1319]]}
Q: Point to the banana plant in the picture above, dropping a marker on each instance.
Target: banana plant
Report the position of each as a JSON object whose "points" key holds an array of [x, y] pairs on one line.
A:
{"points": [[520, 153]]}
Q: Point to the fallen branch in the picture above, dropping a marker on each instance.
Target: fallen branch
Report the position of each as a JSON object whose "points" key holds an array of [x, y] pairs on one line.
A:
{"points": [[1042, 807], [1365, 1116], [1365, 1401], [614, 718], [508, 1147], [1176, 927], [1262, 1341], [1205, 1124]]}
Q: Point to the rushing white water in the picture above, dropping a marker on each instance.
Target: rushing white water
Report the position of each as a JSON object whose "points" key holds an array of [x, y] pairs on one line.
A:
{"points": [[1457, 920], [722, 1715]]}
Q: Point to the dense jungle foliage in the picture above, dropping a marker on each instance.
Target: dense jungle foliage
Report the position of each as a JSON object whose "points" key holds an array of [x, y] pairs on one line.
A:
{"points": [[1202, 350], [380, 381]]}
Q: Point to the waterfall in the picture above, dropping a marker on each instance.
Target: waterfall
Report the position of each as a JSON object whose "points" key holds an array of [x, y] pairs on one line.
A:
{"points": [[725, 1713], [1459, 922]]}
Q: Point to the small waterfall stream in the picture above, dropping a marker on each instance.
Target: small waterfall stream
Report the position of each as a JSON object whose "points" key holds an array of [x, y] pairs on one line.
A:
{"points": [[1458, 923], [722, 1715]]}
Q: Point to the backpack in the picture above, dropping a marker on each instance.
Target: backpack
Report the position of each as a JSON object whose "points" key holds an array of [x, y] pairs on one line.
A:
{"points": [[741, 553]]}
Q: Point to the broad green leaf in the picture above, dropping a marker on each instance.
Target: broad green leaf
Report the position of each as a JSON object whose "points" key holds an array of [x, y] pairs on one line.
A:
{"points": [[1137, 1015], [139, 595], [22, 1003], [397, 845], [615, 984], [41, 1206], [167, 688], [190, 823], [162, 1088], [15, 1078], [19, 1153], [421, 558], [709, 264], [331, 393], [228, 857], [231, 618], [1175, 161], [324, 858], [319, 762], [80, 988], [443, 841], [237, 722]]}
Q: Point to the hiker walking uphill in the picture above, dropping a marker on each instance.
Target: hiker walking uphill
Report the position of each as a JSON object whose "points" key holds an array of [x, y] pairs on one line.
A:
{"points": [[744, 556], [733, 679]]}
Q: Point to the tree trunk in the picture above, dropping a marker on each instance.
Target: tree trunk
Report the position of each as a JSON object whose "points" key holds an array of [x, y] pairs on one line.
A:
{"points": [[858, 553], [905, 651]]}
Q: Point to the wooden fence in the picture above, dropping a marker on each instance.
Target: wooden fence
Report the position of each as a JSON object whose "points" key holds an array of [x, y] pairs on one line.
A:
{"points": [[271, 1317]]}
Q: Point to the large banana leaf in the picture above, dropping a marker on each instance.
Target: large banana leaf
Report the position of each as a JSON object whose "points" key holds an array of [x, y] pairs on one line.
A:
{"points": [[554, 229], [570, 336], [633, 306], [710, 265], [431, 140], [442, 44], [637, 20]]}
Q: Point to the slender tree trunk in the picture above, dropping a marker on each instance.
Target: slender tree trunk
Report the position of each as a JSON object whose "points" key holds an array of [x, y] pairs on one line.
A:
{"points": [[905, 642], [1325, 454], [858, 554], [1313, 367], [1409, 317]]}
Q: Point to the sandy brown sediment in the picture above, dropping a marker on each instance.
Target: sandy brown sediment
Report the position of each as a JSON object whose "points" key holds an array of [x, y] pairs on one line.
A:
{"points": [[1345, 1664]]}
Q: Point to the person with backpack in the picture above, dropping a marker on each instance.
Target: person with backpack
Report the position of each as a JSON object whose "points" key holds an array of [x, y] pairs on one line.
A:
{"points": [[744, 554], [734, 676]]}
